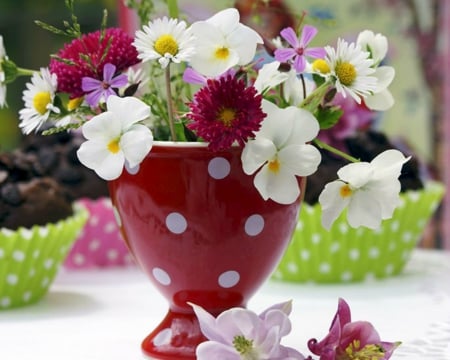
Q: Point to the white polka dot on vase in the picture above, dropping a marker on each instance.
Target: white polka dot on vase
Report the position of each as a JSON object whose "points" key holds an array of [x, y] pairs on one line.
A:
{"points": [[407, 237], [229, 279], [18, 255], [254, 225], [292, 267], [32, 272], [395, 226], [161, 276], [343, 228], [117, 216], [176, 223], [315, 238], [299, 225], [219, 168], [389, 269], [12, 279], [36, 254], [334, 247], [164, 337], [305, 254], [2, 253]]}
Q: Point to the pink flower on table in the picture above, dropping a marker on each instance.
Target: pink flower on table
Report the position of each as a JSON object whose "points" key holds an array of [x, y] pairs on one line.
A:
{"points": [[240, 334], [349, 340], [298, 50], [98, 91]]}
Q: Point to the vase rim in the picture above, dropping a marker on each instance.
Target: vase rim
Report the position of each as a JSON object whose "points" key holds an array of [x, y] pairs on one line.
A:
{"points": [[180, 143]]}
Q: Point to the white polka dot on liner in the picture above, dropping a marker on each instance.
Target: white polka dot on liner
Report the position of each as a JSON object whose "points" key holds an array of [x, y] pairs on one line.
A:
{"points": [[2, 253], [27, 296], [254, 225], [78, 259], [48, 263], [176, 223], [12, 279], [229, 279], [161, 276], [219, 168], [18, 255], [109, 228], [94, 220], [112, 254], [94, 244], [5, 302]]}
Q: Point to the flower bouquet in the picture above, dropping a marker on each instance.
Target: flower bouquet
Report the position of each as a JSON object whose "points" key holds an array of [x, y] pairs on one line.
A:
{"points": [[205, 132]]}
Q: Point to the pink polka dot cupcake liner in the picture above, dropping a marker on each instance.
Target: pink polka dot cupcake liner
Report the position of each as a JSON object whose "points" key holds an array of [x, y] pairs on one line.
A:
{"points": [[31, 257], [100, 243], [344, 254]]}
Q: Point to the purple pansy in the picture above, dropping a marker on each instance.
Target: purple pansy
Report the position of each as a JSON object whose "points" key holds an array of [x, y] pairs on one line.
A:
{"points": [[298, 51], [99, 90]]}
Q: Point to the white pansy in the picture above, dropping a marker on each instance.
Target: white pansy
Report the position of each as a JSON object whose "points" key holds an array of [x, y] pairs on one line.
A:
{"points": [[114, 138], [223, 42], [269, 76], [295, 89], [377, 46], [279, 153], [352, 70], [38, 98], [370, 191], [165, 40]]}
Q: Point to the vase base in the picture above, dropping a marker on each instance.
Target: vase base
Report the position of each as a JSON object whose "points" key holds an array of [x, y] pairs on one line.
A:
{"points": [[176, 337]]}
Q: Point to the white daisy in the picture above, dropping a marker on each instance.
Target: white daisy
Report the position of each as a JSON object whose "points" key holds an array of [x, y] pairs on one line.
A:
{"points": [[38, 98], [116, 138], [2, 74], [165, 40], [351, 69]]}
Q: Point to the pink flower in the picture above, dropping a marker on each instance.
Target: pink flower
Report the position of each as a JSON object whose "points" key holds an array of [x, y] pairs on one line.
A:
{"points": [[87, 58], [351, 340], [239, 333], [298, 50], [99, 90], [225, 111]]}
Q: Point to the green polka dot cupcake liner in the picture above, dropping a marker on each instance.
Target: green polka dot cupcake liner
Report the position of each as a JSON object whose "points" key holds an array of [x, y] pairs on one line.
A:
{"points": [[30, 258], [345, 254]]}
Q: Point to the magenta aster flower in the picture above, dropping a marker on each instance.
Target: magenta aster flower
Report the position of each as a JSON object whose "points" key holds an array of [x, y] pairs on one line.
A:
{"points": [[225, 111], [349, 340], [99, 90], [87, 56], [298, 50]]}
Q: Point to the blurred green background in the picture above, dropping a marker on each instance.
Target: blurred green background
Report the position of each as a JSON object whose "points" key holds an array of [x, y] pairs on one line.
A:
{"points": [[29, 46]]}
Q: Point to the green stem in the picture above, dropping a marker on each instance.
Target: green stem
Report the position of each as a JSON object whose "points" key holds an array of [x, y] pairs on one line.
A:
{"points": [[335, 151], [169, 104], [314, 99], [172, 6], [25, 72]]}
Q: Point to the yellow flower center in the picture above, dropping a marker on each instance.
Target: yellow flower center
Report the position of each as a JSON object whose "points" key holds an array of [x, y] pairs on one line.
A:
{"points": [[321, 66], [227, 116], [274, 165], [346, 73], [368, 352], [166, 44], [222, 53], [113, 146], [74, 103], [41, 100], [243, 346], [345, 191]]}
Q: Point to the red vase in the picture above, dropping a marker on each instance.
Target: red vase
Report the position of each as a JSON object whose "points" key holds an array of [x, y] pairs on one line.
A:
{"points": [[200, 230]]}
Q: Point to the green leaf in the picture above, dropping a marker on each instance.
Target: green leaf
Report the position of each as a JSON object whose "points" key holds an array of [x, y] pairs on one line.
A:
{"points": [[328, 116]]}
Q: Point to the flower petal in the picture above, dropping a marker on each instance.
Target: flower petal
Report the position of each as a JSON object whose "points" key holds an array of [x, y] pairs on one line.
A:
{"points": [[215, 350], [281, 187], [256, 153], [332, 203], [129, 110], [136, 144]]}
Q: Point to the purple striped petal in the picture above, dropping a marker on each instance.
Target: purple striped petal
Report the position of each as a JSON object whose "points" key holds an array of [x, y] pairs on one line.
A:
{"points": [[290, 36], [284, 54]]}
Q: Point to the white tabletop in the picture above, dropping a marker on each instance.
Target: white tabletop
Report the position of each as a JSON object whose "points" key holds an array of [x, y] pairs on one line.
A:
{"points": [[104, 314]]}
